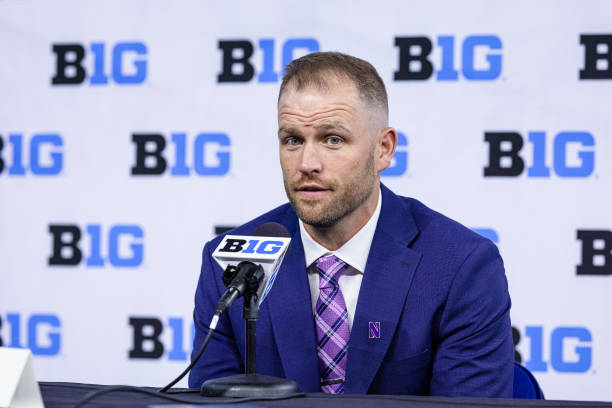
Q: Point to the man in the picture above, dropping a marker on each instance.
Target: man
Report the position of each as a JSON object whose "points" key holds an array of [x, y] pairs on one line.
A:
{"points": [[377, 293]]}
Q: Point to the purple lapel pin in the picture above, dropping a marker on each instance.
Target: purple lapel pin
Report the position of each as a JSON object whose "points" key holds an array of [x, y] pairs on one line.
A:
{"points": [[374, 330]]}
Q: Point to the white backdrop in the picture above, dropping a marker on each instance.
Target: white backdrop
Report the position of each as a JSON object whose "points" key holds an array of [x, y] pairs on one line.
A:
{"points": [[76, 317]]}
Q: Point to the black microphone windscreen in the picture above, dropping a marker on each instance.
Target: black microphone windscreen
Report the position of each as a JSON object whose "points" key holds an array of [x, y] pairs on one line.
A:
{"points": [[272, 229]]}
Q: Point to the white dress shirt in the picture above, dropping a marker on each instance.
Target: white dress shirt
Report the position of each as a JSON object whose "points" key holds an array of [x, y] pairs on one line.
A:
{"points": [[354, 252]]}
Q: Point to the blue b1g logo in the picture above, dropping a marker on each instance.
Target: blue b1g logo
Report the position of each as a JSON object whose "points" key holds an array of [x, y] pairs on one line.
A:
{"points": [[190, 155], [67, 250], [415, 64], [573, 154], [41, 333], [40, 155], [570, 349], [237, 65], [149, 341], [127, 63]]}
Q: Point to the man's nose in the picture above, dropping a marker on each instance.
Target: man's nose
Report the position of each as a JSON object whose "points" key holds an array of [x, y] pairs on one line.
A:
{"points": [[310, 161]]}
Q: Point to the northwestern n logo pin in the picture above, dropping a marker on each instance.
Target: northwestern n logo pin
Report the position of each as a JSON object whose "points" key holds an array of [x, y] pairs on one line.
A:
{"points": [[374, 330]]}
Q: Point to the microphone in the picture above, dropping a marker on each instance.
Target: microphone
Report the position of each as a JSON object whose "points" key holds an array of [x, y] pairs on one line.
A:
{"points": [[251, 262], [259, 258], [239, 279]]}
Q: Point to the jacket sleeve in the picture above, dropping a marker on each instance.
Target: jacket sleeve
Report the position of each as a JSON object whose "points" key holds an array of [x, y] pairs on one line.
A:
{"points": [[221, 357], [474, 355]]}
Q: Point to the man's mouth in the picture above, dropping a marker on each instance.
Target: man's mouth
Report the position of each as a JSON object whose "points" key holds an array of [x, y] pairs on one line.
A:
{"points": [[311, 187], [312, 190]]}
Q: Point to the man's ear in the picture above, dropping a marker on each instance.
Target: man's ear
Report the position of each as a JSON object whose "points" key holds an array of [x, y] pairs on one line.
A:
{"points": [[386, 142]]}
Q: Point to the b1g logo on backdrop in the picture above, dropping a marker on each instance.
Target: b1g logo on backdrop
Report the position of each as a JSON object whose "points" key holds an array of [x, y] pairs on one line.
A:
{"points": [[596, 252], [148, 342], [597, 56], [570, 349], [505, 158], [210, 154], [123, 244], [480, 56], [41, 333], [42, 154], [238, 58], [124, 63]]}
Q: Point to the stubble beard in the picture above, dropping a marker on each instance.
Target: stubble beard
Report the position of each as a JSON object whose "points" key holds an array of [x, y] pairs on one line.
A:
{"points": [[326, 214]]}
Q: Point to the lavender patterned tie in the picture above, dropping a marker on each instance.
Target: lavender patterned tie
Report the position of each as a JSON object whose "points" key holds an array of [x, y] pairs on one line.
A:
{"points": [[331, 319]]}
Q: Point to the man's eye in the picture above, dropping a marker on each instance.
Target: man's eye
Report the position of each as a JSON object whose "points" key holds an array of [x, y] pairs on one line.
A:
{"points": [[334, 140], [292, 141]]}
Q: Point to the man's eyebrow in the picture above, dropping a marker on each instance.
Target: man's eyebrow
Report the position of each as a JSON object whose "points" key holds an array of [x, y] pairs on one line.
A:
{"points": [[331, 125], [286, 130], [327, 125]]}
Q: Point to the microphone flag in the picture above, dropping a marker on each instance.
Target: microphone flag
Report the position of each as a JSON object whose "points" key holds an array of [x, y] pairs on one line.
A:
{"points": [[268, 252]]}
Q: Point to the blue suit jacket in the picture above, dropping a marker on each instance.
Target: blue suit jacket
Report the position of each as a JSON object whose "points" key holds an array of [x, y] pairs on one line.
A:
{"points": [[438, 290]]}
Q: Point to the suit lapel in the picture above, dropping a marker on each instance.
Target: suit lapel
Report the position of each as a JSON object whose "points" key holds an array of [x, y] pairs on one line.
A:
{"points": [[386, 281], [291, 315]]}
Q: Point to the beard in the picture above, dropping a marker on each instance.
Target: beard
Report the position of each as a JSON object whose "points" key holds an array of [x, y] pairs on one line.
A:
{"points": [[346, 196]]}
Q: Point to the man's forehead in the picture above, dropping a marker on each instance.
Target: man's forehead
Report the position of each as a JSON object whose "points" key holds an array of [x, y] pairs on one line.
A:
{"points": [[313, 110]]}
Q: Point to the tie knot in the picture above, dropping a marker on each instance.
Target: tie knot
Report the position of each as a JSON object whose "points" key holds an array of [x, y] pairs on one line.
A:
{"points": [[330, 268]]}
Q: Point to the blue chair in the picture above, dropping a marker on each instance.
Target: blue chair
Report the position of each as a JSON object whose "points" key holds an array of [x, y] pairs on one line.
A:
{"points": [[525, 385]]}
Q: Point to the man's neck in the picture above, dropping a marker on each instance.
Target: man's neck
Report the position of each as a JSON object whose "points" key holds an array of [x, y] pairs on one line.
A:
{"points": [[340, 233]]}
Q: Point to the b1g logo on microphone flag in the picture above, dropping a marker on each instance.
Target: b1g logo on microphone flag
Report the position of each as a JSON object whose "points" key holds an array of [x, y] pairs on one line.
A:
{"points": [[266, 251]]}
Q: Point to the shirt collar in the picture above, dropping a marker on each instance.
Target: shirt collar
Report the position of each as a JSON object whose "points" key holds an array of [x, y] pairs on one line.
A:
{"points": [[354, 252]]}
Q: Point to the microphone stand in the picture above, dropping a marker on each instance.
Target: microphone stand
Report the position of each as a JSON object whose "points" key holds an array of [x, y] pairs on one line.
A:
{"points": [[249, 384], [250, 313]]}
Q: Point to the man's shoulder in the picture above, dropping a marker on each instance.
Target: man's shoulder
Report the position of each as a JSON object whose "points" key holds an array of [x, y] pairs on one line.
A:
{"points": [[283, 214], [449, 249]]}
